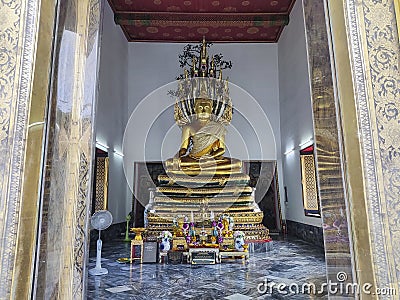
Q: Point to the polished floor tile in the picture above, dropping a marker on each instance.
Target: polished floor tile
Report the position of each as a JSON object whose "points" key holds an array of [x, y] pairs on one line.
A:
{"points": [[290, 263]]}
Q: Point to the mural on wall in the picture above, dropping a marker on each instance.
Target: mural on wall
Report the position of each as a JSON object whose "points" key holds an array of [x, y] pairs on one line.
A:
{"points": [[328, 153]]}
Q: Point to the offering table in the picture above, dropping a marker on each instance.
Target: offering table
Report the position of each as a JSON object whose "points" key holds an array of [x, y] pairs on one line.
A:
{"points": [[203, 256]]}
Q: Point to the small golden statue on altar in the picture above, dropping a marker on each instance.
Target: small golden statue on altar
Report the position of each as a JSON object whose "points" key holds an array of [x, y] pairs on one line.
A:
{"points": [[227, 223], [138, 233]]}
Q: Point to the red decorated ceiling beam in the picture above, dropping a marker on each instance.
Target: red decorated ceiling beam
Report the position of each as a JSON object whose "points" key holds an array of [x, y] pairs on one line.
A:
{"points": [[190, 20], [199, 20], [202, 6]]}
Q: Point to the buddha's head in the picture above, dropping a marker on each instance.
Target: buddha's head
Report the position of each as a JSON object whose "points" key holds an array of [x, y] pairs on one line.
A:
{"points": [[203, 109]]}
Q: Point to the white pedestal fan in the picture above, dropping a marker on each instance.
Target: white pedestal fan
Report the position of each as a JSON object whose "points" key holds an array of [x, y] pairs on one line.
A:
{"points": [[100, 220]]}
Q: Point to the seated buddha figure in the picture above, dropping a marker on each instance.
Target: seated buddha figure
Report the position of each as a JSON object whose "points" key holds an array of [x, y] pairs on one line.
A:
{"points": [[203, 146]]}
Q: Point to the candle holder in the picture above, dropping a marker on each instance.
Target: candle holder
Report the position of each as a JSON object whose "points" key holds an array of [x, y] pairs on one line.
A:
{"points": [[127, 238], [138, 233]]}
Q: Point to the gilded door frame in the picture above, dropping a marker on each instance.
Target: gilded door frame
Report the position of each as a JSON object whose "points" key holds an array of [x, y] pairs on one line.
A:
{"points": [[27, 34], [373, 47], [21, 130]]}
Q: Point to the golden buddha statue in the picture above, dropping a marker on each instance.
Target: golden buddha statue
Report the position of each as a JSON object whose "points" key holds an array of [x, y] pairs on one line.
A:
{"points": [[207, 140], [202, 110]]}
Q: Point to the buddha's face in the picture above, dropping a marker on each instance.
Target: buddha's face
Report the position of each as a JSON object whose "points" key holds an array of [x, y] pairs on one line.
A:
{"points": [[203, 109]]}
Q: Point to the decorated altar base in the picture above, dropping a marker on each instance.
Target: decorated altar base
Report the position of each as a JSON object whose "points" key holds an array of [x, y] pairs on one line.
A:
{"points": [[205, 255]]}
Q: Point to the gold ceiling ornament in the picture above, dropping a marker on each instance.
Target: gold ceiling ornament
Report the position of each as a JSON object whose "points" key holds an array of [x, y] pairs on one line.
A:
{"points": [[202, 82]]}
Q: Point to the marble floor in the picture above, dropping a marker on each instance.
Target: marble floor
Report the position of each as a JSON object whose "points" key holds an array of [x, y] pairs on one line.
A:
{"points": [[291, 263]]}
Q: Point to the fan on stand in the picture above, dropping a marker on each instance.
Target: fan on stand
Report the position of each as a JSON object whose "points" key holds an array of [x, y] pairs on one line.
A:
{"points": [[100, 220]]}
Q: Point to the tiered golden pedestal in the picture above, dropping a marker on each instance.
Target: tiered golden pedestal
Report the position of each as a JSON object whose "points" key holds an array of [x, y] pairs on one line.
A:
{"points": [[203, 198]]}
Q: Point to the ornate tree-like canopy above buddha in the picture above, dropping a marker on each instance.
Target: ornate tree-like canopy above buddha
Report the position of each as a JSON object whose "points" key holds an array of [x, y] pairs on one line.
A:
{"points": [[202, 109], [203, 80]]}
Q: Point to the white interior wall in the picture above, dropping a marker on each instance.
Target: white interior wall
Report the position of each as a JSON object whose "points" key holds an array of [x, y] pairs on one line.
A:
{"points": [[295, 110], [112, 111]]}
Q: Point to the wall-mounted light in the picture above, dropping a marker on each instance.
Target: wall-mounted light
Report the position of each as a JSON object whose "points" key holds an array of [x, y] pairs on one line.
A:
{"points": [[288, 151], [102, 146], [118, 153], [306, 143]]}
